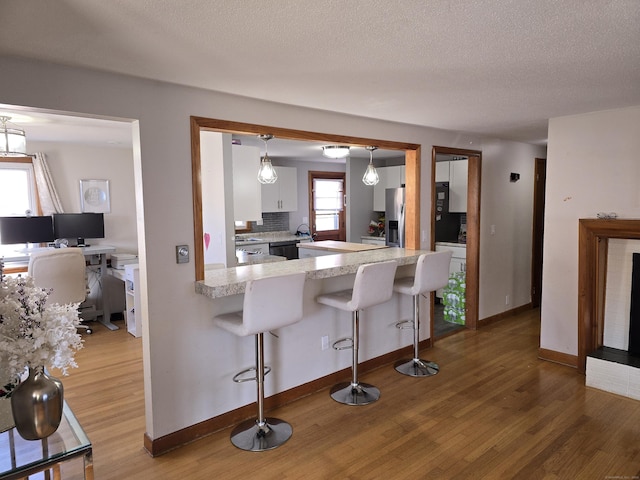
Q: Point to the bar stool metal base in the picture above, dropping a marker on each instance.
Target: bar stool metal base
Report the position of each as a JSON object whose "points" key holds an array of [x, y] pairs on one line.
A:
{"points": [[253, 437], [417, 368], [355, 394]]}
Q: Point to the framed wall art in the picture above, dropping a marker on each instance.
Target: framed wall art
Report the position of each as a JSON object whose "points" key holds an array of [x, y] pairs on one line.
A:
{"points": [[94, 196]]}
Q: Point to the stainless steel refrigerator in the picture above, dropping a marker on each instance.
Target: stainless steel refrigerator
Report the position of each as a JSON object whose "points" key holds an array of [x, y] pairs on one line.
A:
{"points": [[394, 217]]}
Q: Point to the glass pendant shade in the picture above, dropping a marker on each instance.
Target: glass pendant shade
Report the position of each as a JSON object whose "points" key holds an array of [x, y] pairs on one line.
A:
{"points": [[13, 142], [371, 175], [266, 172]]}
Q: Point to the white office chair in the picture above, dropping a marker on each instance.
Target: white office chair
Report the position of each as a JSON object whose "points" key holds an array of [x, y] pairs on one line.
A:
{"points": [[63, 270]]}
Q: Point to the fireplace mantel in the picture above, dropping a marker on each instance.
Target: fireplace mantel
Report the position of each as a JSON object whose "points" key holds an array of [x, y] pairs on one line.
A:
{"points": [[592, 269]]}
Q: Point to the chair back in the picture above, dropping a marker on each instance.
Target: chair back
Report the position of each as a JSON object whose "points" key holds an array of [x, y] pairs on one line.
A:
{"points": [[373, 284], [432, 272], [60, 269], [273, 302]]}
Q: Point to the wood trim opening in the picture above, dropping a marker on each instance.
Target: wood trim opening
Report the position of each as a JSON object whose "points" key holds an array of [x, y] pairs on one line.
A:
{"points": [[593, 242], [412, 172], [473, 229]]}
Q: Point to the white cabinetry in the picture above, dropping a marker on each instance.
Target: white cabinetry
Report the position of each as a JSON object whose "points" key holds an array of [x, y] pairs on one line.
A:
{"points": [[390, 177], [132, 299], [458, 175], [442, 171], [458, 259], [247, 195], [281, 196]]}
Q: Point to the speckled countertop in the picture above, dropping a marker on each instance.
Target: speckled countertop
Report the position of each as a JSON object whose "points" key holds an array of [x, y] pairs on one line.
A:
{"points": [[232, 281], [257, 238]]}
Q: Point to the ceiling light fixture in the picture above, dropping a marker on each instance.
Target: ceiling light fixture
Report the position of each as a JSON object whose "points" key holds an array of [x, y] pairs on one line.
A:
{"points": [[266, 173], [335, 151], [370, 175], [13, 142]]}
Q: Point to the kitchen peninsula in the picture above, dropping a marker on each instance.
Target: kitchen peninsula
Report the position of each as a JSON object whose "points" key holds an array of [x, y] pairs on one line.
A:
{"points": [[300, 355]]}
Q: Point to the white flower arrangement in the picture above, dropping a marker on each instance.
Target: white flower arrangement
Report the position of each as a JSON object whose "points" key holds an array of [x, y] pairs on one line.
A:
{"points": [[32, 333]]}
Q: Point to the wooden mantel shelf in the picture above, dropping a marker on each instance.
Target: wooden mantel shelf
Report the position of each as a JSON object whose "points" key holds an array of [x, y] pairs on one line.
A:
{"points": [[593, 237]]}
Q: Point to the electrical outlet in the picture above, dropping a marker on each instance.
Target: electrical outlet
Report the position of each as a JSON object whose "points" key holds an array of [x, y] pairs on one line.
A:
{"points": [[325, 342], [506, 300]]}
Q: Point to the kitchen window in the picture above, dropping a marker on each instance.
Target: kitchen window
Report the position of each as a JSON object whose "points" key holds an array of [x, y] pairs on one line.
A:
{"points": [[327, 205]]}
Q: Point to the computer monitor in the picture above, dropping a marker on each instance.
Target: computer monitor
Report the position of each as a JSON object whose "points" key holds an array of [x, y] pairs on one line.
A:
{"points": [[78, 226], [15, 230]]}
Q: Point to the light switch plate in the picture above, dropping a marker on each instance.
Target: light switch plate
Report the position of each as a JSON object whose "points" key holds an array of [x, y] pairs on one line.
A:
{"points": [[182, 253]]}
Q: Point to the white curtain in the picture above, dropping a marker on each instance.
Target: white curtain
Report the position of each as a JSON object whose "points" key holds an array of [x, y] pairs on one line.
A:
{"points": [[49, 200]]}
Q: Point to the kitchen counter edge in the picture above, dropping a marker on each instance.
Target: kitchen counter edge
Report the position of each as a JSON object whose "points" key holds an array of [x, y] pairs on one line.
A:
{"points": [[232, 281]]}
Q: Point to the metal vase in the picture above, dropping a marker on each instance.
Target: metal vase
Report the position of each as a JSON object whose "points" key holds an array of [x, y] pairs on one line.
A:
{"points": [[37, 405]]}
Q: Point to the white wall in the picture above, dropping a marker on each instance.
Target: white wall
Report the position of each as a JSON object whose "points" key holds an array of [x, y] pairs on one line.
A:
{"points": [[505, 257], [180, 345], [70, 163], [592, 166]]}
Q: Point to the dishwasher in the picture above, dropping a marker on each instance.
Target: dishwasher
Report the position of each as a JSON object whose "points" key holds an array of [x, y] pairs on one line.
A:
{"points": [[287, 249]]}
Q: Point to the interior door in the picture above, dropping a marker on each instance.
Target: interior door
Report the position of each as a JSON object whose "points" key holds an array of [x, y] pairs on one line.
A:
{"points": [[327, 211]]}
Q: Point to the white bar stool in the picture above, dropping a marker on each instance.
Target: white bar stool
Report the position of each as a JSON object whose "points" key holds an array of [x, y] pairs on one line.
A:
{"points": [[432, 273], [373, 285], [269, 303]]}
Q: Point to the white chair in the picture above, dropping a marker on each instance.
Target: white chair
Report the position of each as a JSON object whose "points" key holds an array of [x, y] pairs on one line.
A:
{"points": [[63, 271], [373, 285], [432, 273], [269, 303]]}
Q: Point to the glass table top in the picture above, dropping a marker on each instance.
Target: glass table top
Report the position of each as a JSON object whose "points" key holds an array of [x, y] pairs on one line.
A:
{"points": [[19, 456]]}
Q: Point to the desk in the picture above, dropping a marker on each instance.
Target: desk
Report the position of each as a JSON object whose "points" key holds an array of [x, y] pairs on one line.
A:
{"points": [[21, 257], [20, 458]]}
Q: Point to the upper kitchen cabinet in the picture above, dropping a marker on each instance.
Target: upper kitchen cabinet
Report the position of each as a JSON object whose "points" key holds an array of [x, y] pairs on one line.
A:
{"points": [[454, 172], [281, 196], [390, 177], [247, 195], [458, 175]]}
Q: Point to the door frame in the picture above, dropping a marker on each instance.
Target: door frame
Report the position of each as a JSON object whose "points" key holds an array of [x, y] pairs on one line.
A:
{"points": [[539, 188], [472, 294], [342, 230]]}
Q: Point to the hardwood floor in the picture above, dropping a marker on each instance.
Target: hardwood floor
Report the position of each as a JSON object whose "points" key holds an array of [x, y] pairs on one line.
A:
{"points": [[493, 412]]}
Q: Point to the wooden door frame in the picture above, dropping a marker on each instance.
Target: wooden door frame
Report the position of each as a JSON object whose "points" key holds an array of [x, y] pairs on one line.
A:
{"points": [[537, 253], [343, 215], [472, 294], [412, 172]]}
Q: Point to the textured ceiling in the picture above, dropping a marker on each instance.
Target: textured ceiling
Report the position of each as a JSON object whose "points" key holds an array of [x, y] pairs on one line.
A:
{"points": [[492, 67]]}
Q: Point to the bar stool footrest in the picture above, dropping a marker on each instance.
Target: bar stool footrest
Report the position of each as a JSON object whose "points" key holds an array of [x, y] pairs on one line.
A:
{"points": [[405, 325], [240, 376], [343, 344]]}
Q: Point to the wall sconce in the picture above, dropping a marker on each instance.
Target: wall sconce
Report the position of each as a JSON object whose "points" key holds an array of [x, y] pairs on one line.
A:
{"points": [[335, 151], [266, 173], [371, 175]]}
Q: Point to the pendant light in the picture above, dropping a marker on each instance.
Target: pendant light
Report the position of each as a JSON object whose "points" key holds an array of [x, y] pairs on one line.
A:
{"points": [[13, 142], [371, 175], [266, 173]]}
